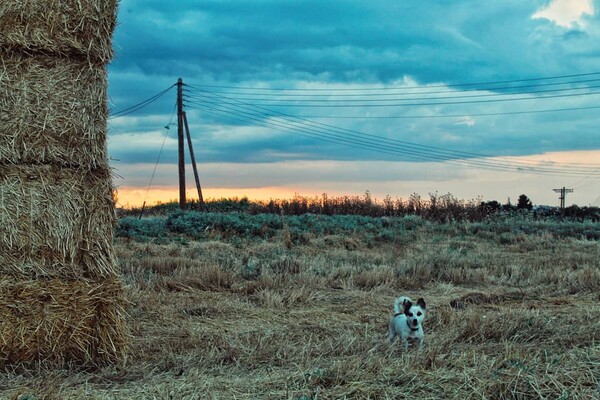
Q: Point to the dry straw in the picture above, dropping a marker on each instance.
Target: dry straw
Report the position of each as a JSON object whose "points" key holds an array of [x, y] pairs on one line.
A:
{"points": [[56, 222], [75, 28], [60, 297], [52, 110], [57, 322]]}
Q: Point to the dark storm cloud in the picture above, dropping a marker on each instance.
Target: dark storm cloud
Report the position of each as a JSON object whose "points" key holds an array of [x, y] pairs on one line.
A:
{"points": [[351, 43], [374, 41]]}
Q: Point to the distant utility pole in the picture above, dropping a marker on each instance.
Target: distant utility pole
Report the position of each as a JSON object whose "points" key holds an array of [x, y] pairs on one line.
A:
{"points": [[182, 201], [563, 195], [182, 123]]}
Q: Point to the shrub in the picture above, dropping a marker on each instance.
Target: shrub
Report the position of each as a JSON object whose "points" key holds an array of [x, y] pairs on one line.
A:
{"points": [[140, 229]]}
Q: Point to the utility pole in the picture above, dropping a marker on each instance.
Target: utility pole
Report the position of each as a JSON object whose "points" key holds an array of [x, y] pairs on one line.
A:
{"points": [[193, 159], [181, 148], [563, 195]]}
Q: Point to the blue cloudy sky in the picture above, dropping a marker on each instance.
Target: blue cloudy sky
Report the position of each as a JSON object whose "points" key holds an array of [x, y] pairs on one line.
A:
{"points": [[480, 99]]}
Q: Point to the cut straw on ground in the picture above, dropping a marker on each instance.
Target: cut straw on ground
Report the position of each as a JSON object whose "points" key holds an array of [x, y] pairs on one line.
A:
{"points": [[254, 318]]}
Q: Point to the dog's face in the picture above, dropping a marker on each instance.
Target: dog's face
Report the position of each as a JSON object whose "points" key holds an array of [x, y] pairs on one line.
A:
{"points": [[414, 312]]}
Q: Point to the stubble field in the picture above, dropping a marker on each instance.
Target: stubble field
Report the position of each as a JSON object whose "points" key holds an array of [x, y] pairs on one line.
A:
{"points": [[294, 313]]}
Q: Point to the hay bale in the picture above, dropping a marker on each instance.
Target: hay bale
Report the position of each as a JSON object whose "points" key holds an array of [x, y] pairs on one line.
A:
{"points": [[75, 28], [52, 110], [56, 223], [60, 297], [54, 322]]}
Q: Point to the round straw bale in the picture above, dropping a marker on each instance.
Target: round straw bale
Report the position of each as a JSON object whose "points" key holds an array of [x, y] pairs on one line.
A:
{"points": [[79, 29], [56, 222], [52, 110], [57, 322]]}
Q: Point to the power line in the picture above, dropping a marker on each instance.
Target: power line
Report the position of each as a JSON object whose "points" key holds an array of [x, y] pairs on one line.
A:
{"points": [[388, 149], [406, 87], [264, 112], [357, 139], [140, 105], [413, 90], [370, 104], [270, 112], [553, 110], [481, 95], [237, 108], [427, 116], [590, 180], [167, 127]]}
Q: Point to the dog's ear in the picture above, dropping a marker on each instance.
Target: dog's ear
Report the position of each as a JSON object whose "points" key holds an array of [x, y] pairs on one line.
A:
{"points": [[421, 302], [407, 306]]}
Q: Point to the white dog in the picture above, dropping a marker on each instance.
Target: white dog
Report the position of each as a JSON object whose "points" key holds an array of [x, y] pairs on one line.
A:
{"points": [[407, 321]]}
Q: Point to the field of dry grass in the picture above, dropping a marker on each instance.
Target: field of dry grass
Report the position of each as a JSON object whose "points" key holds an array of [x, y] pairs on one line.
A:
{"points": [[275, 319]]}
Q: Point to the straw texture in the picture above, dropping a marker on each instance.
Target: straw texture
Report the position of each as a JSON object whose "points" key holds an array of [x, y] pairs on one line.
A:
{"points": [[52, 110], [76, 28], [61, 300], [56, 222], [56, 322]]}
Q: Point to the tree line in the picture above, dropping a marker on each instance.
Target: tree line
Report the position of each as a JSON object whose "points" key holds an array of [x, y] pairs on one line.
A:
{"points": [[439, 208]]}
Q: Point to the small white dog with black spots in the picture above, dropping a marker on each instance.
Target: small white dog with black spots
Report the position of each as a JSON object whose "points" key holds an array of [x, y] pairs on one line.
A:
{"points": [[407, 321]]}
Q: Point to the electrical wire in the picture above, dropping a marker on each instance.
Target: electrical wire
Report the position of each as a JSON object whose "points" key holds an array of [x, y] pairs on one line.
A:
{"points": [[380, 104], [268, 112], [411, 154], [349, 137], [587, 180], [438, 116], [140, 105], [405, 87], [414, 90], [263, 112], [237, 108], [553, 110], [545, 94], [160, 152]]}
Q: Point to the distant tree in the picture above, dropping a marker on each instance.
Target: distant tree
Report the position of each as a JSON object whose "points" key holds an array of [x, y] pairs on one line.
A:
{"points": [[524, 203], [490, 207], [508, 206]]}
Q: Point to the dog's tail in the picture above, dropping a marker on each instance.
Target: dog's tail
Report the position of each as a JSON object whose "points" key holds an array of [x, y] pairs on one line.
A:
{"points": [[399, 304]]}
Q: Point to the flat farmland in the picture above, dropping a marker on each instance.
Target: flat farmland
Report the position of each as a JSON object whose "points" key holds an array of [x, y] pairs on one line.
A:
{"points": [[298, 309]]}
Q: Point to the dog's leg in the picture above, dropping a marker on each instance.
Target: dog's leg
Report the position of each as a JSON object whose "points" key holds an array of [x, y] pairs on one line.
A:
{"points": [[421, 340], [391, 331], [405, 341]]}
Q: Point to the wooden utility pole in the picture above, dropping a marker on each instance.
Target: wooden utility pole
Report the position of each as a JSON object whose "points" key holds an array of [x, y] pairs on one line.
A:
{"points": [[181, 148], [563, 195], [193, 159]]}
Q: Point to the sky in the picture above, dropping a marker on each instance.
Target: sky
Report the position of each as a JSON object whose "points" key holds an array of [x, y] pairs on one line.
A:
{"points": [[483, 100]]}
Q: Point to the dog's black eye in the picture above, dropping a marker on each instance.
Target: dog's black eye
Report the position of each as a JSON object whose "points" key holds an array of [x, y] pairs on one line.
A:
{"points": [[410, 314], [419, 314]]}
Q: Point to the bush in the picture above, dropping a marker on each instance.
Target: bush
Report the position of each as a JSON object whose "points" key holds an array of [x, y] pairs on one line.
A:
{"points": [[300, 229], [439, 208], [141, 229]]}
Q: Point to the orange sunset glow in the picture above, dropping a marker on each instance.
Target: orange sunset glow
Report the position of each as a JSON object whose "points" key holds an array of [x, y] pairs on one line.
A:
{"points": [[390, 180], [135, 197]]}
